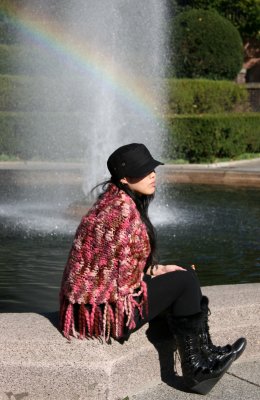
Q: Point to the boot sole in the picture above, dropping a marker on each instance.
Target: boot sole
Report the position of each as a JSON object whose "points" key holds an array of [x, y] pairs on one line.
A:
{"points": [[205, 387], [240, 346]]}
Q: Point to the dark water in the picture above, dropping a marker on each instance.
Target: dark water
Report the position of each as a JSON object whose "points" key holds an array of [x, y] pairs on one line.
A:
{"points": [[216, 228]]}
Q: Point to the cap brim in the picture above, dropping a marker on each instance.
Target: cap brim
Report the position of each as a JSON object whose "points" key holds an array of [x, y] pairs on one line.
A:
{"points": [[145, 169]]}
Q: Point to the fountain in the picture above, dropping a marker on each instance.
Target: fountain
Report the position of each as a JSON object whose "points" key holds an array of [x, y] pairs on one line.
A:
{"points": [[99, 87], [105, 65], [96, 80]]}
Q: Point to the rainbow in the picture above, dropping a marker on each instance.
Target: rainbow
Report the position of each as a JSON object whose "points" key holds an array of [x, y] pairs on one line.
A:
{"points": [[93, 61]]}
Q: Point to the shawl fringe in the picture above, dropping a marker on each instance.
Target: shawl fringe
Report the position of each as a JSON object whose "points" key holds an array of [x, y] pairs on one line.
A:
{"points": [[104, 320]]}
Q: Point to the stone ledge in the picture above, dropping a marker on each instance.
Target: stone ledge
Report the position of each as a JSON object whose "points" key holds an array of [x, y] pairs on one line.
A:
{"points": [[213, 177], [35, 359], [244, 173]]}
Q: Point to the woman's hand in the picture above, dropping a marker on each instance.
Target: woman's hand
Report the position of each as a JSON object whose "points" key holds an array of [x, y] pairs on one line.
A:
{"points": [[164, 269]]}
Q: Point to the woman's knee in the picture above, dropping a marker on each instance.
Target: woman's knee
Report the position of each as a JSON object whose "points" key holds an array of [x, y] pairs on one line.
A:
{"points": [[186, 279]]}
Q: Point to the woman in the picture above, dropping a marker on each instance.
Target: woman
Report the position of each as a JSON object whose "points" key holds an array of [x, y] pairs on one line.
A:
{"points": [[112, 283]]}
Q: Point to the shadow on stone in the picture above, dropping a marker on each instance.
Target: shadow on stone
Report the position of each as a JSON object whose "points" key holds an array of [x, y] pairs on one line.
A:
{"points": [[53, 317], [158, 333]]}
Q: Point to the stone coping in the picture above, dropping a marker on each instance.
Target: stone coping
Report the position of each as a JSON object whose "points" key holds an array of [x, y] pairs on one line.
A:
{"points": [[46, 165], [38, 362], [244, 173], [213, 177]]}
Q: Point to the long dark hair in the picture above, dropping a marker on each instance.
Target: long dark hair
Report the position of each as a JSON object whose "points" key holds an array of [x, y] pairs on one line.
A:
{"points": [[142, 204]]}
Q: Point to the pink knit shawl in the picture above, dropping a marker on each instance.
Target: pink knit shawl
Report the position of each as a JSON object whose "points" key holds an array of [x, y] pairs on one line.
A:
{"points": [[104, 269]]}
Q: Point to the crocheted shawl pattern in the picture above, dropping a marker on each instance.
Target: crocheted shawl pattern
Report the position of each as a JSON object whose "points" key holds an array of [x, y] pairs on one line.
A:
{"points": [[104, 270]]}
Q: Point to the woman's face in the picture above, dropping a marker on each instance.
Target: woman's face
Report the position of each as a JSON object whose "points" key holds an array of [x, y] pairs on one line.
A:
{"points": [[145, 185]]}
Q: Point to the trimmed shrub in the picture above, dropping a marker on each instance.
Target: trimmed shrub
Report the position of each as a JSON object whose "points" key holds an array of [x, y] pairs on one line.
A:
{"points": [[8, 31], [197, 96], [206, 137], [24, 93], [204, 44], [33, 60], [185, 96], [52, 136], [44, 136], [8, 62]]}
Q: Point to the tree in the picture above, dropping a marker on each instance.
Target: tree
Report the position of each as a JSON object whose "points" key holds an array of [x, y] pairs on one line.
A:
{"points": [[244, 14], [204, 44]]}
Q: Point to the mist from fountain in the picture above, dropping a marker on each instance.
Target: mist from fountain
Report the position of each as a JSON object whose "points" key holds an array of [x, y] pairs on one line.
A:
{"points": [[100, 66], [110, 60]]}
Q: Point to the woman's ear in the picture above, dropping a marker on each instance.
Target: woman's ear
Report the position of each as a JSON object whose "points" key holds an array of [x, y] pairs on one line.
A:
{"points": [[124, 181]]}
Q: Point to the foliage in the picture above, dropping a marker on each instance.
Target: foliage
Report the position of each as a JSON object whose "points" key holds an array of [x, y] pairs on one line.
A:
{"points": [[29, 93], [244, 14], [8, 30], [29, 60], [5, 157], [173, 8], [44, 136], [196, 96], [204, 44], [203, 138], [196, 138]]}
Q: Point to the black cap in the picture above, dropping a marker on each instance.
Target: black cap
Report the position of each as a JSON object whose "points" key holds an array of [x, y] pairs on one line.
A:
{"points": [[132, 160]]}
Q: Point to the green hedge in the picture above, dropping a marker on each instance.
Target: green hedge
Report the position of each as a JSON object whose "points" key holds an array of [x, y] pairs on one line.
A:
{"points": [[20, 59], [197, 96], [60, 136], [206, 137], [9, 33], [42, 136], [24, 93], [185, 96]]}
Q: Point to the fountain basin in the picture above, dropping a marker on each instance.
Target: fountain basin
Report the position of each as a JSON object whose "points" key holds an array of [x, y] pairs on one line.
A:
{"points": [[32, 172], [214, 227]]}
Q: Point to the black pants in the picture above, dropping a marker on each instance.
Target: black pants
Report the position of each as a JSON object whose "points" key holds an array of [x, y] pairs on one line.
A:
{"points": [[178, 292]]}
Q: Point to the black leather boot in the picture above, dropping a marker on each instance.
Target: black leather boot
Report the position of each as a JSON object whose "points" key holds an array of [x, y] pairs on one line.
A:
{"points": [[200, 373], [208, 347]]}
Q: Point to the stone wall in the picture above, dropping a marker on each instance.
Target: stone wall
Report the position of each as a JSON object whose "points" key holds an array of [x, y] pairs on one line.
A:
{"points": [[38, 363]]}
